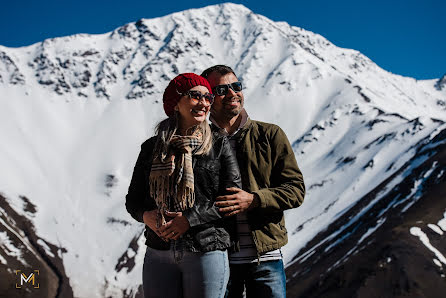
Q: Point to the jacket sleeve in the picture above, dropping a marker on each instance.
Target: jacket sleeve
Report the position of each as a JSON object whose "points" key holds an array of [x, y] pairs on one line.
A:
{"points": [[287, 185], [230, 172], [137, 199], [229, 177]]}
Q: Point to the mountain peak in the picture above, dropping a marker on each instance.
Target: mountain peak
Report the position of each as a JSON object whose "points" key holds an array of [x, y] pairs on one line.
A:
{"points": [[228, 6]]}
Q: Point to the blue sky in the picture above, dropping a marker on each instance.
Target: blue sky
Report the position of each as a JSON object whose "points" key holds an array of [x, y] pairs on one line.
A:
{"points": [[406, 37]]}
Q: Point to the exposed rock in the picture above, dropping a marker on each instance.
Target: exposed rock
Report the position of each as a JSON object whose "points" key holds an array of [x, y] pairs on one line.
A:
{"points": [[441, 83], [127, 260], [7, 66], [49, 74], [21, 250]]}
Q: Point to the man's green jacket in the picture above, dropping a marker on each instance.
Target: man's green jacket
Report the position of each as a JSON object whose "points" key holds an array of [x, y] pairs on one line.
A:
{"points": [[269, 170]]}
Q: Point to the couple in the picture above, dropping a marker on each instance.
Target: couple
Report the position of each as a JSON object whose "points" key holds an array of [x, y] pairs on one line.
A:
{"points": [[212, 198]]}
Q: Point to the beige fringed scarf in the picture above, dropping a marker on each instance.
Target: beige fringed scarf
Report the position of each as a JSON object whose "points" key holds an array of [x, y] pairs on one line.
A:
{"points": [[172, 178]]}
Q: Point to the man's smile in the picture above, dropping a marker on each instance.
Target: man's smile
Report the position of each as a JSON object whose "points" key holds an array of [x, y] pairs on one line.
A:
{"points": [[232, 101]]}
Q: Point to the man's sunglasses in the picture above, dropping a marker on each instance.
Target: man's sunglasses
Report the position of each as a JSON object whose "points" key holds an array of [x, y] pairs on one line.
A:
{"points": [[197, 96], [224, 89]]}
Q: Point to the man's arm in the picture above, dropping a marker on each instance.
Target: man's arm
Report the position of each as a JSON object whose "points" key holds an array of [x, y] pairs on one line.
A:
{"points": [[288, 188], [287, 185]]}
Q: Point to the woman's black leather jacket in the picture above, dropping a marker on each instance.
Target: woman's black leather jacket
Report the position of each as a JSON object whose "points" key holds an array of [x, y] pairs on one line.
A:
{"points": [[213, 173]]}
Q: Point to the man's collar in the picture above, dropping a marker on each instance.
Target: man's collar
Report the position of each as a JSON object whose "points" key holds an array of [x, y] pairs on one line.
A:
{"points": [[223, 131]]}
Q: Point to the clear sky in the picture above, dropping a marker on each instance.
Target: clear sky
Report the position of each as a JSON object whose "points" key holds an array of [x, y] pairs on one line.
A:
{"points": [[406, 37]]}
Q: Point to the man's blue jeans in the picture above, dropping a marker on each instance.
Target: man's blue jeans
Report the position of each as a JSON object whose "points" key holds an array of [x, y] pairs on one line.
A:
{"points": [[266, 279], [178, 273]]}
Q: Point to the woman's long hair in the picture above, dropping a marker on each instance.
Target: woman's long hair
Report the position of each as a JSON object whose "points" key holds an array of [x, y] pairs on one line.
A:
{"points": [[168, 127]]}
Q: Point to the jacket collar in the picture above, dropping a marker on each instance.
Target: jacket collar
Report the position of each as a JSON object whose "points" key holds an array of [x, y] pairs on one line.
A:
{"points": [[243, 124]]}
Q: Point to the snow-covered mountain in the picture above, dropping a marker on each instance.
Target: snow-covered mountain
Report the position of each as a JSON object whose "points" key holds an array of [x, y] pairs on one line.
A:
{"points": [[74, 110]]}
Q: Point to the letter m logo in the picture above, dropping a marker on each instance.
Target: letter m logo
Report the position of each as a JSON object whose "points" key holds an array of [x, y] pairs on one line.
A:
{"points": [[31, 279], [27, 279]]}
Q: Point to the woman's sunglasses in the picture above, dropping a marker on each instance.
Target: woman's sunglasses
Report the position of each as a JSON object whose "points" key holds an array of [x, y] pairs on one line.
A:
{"points": [[197, 96], [224, 89]]}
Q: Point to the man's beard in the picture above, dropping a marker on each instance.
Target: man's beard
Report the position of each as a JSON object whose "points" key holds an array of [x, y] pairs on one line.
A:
{"points": [[229, 114]]}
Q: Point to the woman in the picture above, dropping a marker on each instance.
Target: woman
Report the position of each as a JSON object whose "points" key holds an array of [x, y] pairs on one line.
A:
{"points": [[178, 175]]}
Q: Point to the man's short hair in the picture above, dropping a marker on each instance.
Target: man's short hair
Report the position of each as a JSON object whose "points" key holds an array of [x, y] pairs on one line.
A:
{"points": [[221, 69]]}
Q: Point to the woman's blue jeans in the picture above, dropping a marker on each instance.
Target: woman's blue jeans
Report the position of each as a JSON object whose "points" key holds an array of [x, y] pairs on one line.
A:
{"points": [[179, 273]]}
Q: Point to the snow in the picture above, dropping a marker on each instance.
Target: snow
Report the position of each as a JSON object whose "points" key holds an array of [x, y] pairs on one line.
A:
{"points": [[351, 125], [9, 249], [3, 260], [45, 246], [442, 222], [416, 231], [372, 229], [435, 228], [416, 190], [437, 262]]}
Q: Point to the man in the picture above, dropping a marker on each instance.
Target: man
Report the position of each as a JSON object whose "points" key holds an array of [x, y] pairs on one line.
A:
{"points": [[271, 181]]}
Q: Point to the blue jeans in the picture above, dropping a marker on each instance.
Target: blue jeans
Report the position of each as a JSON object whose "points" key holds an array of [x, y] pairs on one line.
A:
{"points": [[266, 279], [178, 273]]}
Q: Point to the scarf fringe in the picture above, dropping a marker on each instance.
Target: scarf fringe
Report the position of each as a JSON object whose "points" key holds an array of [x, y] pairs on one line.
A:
{"points": [[171, 180], [164, 189]]}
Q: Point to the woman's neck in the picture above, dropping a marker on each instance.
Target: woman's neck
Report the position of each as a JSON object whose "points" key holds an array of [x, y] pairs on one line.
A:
{"points": [[186, 131]]}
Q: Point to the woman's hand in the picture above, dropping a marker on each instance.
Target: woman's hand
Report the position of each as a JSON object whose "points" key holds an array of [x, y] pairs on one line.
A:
{"points": [[149, 218], [175, 227]]}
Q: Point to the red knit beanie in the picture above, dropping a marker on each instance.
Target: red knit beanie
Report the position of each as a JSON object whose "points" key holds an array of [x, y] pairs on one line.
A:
{"points": [[180, 84]]}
